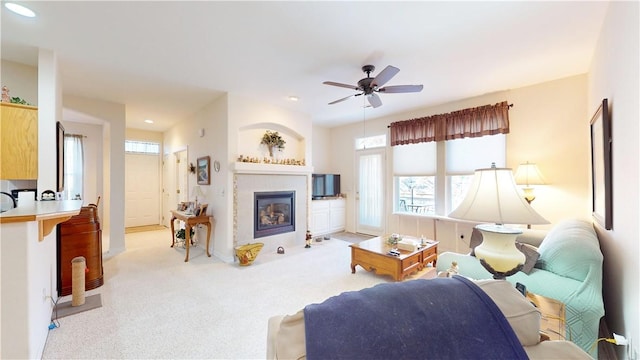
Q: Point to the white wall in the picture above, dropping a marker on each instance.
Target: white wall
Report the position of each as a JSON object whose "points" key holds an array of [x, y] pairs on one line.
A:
{"points": [[614, 75], [113, 134], [185, 135], [321, 151]]}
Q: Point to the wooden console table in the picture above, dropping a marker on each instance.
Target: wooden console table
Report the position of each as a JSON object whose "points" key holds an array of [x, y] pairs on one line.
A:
{"points": [[373, 255], [190, 220]]}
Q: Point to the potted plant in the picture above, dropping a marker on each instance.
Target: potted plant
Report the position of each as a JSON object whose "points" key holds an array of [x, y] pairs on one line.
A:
{"points": [[272, 140], [180, 234]]}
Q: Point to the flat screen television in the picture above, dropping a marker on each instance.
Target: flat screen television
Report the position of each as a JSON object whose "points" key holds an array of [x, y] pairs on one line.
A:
{"points": [[325, 185]]}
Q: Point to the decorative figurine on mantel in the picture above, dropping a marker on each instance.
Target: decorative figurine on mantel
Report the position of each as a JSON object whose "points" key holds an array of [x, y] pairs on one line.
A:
{"points": [[5, 94], [308, 239]]}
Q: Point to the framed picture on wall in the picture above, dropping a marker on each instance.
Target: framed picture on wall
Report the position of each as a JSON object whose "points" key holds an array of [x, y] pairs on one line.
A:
{"points": [[203, 170], [602, 201]]}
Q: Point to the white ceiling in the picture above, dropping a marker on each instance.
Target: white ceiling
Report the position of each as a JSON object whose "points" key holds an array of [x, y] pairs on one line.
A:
{"points": [[165, 60]]}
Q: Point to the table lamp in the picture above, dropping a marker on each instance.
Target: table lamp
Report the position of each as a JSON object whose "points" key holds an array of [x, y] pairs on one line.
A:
{"points": [[528, 174], [196, 192], [494, 198]]}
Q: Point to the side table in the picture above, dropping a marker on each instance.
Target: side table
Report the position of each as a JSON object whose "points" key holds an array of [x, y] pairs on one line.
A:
{"points": [[552, 321], [190, 220]]}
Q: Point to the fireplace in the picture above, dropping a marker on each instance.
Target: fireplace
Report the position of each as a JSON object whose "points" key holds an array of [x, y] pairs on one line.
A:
{"points": [[274, 213]]}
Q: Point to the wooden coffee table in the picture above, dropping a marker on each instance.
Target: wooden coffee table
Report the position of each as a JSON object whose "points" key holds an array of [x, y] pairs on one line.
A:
{"points": [[373, 255]]}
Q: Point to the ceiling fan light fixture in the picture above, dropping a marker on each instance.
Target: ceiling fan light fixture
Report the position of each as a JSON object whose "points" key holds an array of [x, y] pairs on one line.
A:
{"points": [[371, 86]]}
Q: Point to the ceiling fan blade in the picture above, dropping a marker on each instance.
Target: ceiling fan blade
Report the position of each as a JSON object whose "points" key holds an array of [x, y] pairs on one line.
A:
{"points": [[384, 76], [401, 89], [343, 99], [374, 100], [341, 85]]}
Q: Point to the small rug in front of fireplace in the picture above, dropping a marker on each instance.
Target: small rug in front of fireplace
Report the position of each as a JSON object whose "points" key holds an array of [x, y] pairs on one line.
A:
{"points": [[353, 238]]}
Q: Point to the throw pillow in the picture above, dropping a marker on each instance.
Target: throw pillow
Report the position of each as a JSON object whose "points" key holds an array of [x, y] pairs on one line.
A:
{"points": [[476, 239], [531, 256]]}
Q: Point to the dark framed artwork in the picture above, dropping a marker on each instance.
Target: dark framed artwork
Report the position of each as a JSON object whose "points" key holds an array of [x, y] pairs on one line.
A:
{"points": [[59, 157], [203, 170], [602, 200]]}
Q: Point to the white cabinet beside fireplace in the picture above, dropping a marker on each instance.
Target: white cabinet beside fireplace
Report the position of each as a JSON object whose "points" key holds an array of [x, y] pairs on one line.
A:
{"points": [[328, 216]]}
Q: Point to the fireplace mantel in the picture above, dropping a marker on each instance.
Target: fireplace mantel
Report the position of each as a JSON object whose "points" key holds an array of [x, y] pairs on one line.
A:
{"points": [[274, 169]]}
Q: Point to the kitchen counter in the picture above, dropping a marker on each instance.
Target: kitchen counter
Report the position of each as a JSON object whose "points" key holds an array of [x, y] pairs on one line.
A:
{"points": [[47, 213]]}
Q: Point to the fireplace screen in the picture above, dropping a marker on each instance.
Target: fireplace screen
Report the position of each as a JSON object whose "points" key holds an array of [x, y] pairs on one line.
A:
{"points": [[274, 213]]}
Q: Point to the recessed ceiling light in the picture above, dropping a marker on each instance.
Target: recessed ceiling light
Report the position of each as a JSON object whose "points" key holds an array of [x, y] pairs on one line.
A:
{"points": [[149, 121], [20, 10], [294, 98]]}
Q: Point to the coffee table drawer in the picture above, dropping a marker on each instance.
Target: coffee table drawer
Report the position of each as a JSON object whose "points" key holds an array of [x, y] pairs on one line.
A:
{"points": [[376, 261], [410, 262]]}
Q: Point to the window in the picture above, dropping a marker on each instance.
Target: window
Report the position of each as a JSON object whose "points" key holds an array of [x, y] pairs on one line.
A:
{"points": [[416, 172], [371, 142], [416, 194], [73, 167], [141, 147]]}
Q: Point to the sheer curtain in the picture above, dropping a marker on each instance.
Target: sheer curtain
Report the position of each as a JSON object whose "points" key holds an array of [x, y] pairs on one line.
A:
{"points": [[73, 166], [371, 191]]}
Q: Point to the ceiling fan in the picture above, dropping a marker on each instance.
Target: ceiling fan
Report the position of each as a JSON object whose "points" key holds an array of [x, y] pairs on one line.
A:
{"points": [[371, 86]]}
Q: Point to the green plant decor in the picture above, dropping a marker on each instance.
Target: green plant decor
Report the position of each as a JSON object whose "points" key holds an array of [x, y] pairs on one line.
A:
{"points": [[272, 139], [180, 234], [17, 100]]}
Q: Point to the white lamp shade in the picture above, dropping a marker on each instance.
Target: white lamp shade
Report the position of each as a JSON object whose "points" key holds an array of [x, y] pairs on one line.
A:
{"points": [[529, 174], [494, 198], [196, 192]]}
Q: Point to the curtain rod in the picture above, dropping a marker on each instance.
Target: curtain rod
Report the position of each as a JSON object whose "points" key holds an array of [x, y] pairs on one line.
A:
{"points": [[510, 105], [84, 136]]}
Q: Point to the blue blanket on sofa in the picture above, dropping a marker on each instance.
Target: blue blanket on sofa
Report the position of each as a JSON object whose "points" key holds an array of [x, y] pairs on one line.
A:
{"points": [[442, 318]]}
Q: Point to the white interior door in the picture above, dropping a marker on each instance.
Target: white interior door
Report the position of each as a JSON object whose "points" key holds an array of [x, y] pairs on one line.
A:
{"points": [[142, 190], [166, 193], [370, 192]]}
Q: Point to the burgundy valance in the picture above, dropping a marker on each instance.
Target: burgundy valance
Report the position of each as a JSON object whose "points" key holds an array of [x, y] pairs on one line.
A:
{"points": [[472, 122]]}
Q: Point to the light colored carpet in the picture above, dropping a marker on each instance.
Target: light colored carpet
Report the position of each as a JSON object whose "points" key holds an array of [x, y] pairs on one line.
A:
{"points": [[134, 229], [154, 305]]}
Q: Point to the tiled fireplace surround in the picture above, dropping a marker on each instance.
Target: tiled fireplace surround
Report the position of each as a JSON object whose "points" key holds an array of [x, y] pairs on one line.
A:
{"points": [[251, 178]]}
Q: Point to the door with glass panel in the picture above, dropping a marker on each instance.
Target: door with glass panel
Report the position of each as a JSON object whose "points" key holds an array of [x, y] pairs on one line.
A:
{"points": [[370, 194]]}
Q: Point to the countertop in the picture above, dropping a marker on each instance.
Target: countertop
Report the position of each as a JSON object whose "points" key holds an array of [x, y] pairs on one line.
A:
{"points": [[47, 213], [41, 210]]}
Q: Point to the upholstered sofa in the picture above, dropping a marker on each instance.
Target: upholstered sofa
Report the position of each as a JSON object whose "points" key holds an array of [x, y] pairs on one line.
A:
{"points": [[411, 320], [568, 269]]}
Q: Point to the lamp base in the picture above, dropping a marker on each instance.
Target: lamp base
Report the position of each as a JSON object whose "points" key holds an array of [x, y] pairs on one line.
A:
{"points": [[498, 275], [498, 253]]}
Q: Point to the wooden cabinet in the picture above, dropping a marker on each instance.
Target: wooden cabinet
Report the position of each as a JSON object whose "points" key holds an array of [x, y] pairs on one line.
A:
{"points": [[80, 236], [328, 216], [19, 142]]}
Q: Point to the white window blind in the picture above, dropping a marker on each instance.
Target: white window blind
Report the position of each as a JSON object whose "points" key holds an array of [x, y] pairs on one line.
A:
{"points": [[466, 155], [414, 159]]}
